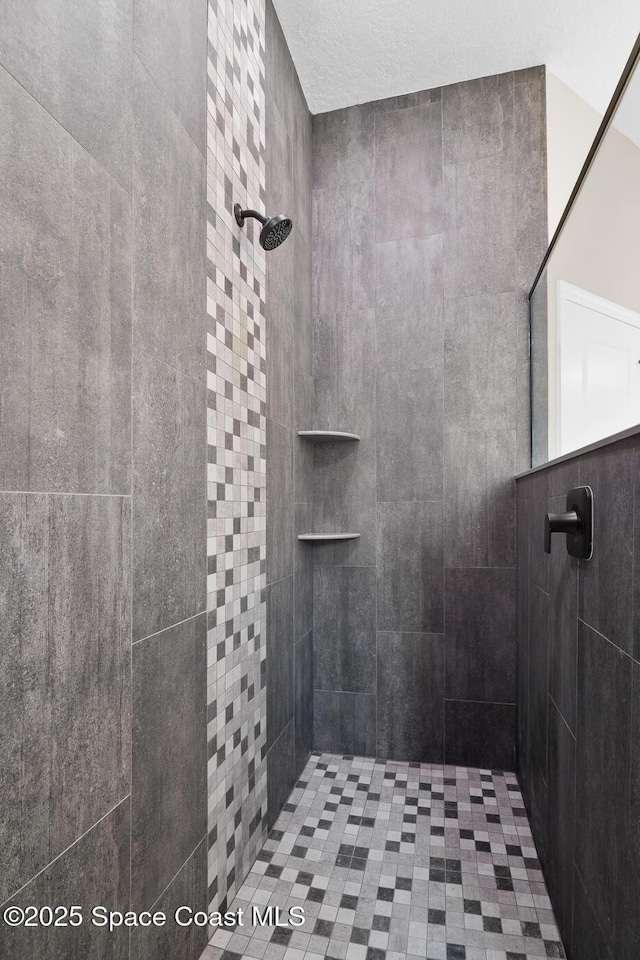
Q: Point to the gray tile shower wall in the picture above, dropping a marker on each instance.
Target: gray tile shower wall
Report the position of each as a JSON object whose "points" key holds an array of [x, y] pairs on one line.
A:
{"points": [[103, 488], [429, 219], [289, 408], [579, 701]]}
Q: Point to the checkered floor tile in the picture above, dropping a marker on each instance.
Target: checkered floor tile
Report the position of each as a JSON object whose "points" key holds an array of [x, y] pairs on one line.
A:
{"points": [[394, 861]]}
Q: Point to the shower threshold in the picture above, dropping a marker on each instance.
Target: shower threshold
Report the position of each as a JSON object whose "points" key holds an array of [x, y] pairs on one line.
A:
{"points": [[396, 861]]}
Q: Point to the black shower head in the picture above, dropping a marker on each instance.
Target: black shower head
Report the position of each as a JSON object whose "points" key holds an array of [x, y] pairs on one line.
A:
{"points": [[274, 231]]}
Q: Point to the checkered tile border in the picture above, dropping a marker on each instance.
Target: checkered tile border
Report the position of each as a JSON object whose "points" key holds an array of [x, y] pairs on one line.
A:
{"points": [[236, 411]]}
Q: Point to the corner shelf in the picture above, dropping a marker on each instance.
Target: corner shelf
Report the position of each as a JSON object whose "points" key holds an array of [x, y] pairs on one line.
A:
{"points": [[326, 436], [327, 537]]}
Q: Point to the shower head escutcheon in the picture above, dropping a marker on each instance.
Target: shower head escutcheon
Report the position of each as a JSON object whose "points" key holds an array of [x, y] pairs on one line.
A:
{"points": [[275, 230]]}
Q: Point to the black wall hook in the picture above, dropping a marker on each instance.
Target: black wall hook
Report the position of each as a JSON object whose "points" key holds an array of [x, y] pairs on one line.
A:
{"points": [[576, 523]]}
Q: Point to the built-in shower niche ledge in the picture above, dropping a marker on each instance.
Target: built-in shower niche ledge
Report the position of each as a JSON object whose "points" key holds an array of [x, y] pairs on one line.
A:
{"points": [[327, 537], [327, 436]]}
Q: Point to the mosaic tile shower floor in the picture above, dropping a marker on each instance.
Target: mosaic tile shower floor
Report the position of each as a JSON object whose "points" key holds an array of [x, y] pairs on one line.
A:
{"points": [[393, 861]]}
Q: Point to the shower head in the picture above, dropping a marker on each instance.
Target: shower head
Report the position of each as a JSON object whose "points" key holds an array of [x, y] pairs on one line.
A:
{"points": [[274, 230]]}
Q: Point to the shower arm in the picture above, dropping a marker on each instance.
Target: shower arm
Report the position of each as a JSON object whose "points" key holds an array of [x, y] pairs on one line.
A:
{"points": [[241, 215]]}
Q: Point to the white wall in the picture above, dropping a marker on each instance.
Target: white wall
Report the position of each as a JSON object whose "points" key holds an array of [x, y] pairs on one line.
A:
{"points": [[571, 128]]}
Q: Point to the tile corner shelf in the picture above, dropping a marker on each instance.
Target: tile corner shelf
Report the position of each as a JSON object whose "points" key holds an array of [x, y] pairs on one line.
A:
{"points": [[327, 537], [327, 436]]}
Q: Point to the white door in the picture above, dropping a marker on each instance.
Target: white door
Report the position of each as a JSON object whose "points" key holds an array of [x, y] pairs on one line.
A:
{"points": [[598, 367]]}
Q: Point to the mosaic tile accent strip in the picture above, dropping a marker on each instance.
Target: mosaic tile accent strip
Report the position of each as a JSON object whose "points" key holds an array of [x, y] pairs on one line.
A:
{"points": [[393, 861], [236, 418]]}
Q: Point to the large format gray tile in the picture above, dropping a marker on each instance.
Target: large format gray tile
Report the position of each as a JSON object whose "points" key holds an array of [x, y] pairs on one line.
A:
{"points": [[523, 749], [187, 889], [344, 352], [169, 524], [480, 734], [279, 199], [344, 146], [65, 272], [343, 248], [605, 599], [303, 701], [279, 71], [559, 869], [481, 362], [411, 673], [538, 675], [481, 634], [93, 872], [75, 59], [344, 722], [603, 764], [539, 560], [280, 772], [169, 762], [563, 624], [409, 444], [478, 118], [408, 174], [302, 573], [588, 942], [65, 673], [280, 363], [409, 303], [303, 450], [169, 220], [280, 544], [302, 298], [479, 497], [170, 38], [531, 167], [344, 500], [279, 657], [480, 230], [522, 573], [627, 942], [344, 638], [410, 567], [325, 371]]}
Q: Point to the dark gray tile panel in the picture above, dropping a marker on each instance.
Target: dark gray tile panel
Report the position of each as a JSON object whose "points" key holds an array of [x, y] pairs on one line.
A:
{"points": [[169, 524], [344, 722], [410, 567], [344, 638], [94, 871], [170, 38], [65, 270], [411, 672], [169, 765], [280, 772], [75, 59], [169, 221], [65, 673], [481, 641], [279, 657], [480, 734]]}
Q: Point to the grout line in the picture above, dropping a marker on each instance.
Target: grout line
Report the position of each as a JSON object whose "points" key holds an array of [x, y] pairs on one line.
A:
{"points": [[131, 460], [67, 849], [610, 642], [58, 122], [171, 626], [178, 872], [67, 493]]}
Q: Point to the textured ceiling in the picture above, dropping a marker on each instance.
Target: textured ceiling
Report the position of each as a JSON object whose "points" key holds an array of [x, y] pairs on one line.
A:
{"points": [[352, 51]]}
